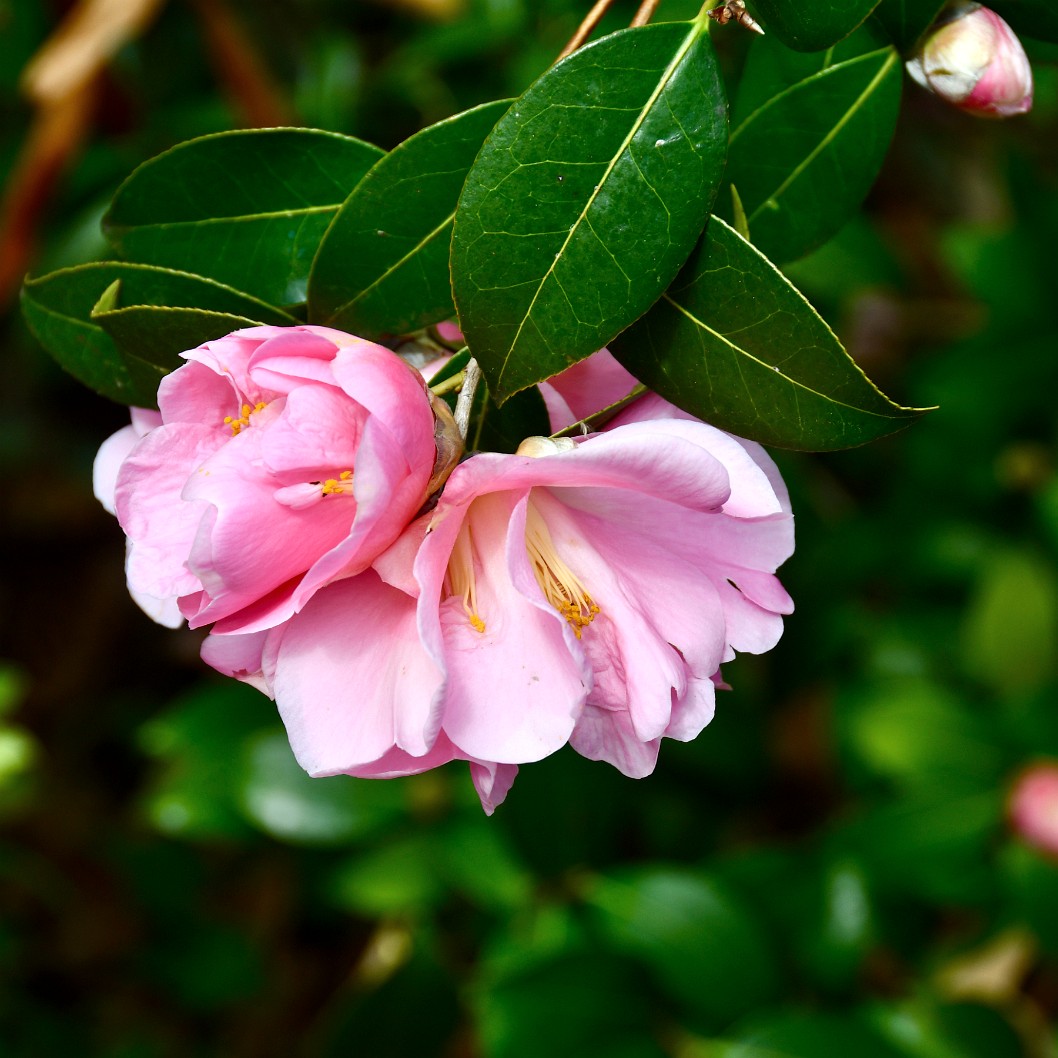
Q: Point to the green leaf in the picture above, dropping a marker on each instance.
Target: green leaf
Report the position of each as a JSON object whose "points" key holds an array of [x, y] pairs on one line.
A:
{"points": [[1010, 630], [382, 267], [811, 25], [247, 208], [1031, 18], [915, 733], [704, 947], [61, 310], [920, 1028], [586, 199], [279, 798], [810, 1035], [804, 159], [735, 344], [906, 20]]}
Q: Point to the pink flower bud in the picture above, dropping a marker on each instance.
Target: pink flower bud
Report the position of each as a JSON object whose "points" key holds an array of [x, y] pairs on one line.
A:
{"points": [[1033, 806], [973, 60]]}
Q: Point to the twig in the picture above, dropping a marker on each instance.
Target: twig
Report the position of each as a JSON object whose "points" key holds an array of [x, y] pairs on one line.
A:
{"points": [[645, 13], [591, 20], [465, 400]]}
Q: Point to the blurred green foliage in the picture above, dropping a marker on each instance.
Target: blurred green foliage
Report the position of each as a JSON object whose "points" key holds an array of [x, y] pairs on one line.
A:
{"points": [[826, 872]]}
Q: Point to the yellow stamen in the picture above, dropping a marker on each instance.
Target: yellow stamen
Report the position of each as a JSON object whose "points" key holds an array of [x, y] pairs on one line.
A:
{"points": [[560, 585], [336, 486], [237, 424], [459, 579]]}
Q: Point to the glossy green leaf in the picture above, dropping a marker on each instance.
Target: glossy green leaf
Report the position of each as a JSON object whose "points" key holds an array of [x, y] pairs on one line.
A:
{"points": [[586, 199], [248, 208], [702, 944], [382, 267], [906, 20], [735, 344], [811, 25], [803, 160], [59, 308], [1031, 18]]}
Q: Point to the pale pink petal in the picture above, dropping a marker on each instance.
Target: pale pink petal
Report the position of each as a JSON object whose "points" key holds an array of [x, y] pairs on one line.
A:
{"points": [[492, 782], [513, 690], [112, 453], [239, 656], [602, 734], [352, 679], [585, 388], [150, 508]]}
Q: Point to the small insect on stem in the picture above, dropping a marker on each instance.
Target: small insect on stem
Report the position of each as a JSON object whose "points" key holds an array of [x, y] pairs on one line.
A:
{"points": [[734, 10]]}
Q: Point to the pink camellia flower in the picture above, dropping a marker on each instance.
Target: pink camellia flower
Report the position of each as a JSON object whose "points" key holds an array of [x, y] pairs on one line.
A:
{"points": [[974, 60], [582, 591], [282, 459], [1033, 806]]}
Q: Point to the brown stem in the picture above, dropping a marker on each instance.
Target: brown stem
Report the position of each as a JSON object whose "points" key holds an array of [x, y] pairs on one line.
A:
{"points": [[645, 13], [591, 20]]}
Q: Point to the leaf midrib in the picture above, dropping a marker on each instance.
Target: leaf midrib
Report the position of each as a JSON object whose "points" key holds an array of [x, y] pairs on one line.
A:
{"points": [[239, 218], [697, 28], [375, 283], [774, 370], [829, 138]]}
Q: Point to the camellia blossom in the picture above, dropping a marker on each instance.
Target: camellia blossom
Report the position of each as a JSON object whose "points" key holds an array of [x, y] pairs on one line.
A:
{"points": [[582, 591], [974, 60], [1033, 806], [282, 459]]}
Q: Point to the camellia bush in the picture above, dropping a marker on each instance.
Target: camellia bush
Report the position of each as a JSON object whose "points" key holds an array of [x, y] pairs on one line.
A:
{"points": [[460, 452]]}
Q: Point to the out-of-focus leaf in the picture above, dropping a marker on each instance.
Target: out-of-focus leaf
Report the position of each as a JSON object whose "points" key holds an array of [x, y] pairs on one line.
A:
{"points": [[277, 796], [702, 945], [810, 1035], [394, 879], [480, 862], [734, 343], [194, 790], [906, 20], [812, 25], [567, 1007], [586, 199], [164, 309], [923, 1029], [382, 267], [248, 208], [1029, 883], [931, 847], [1032, 18], [917, 734], [414, 1011], [803, 161], [1010, 631]]}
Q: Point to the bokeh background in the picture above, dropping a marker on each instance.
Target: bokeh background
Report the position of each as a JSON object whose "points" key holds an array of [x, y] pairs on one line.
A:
{"points": [[829, 870]]}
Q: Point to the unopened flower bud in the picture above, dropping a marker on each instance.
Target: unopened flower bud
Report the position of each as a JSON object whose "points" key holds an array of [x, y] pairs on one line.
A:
{"points": [[1033, 806], [973, 60]]}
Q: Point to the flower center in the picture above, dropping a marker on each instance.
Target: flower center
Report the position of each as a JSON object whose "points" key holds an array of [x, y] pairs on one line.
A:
{"points": [[459, 578], [336, 486], [237, 424], [560, 585]]}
